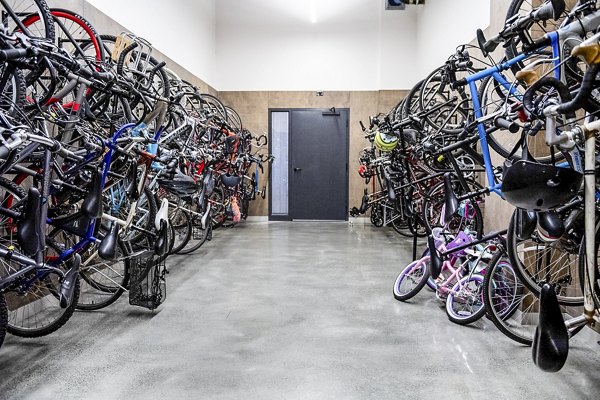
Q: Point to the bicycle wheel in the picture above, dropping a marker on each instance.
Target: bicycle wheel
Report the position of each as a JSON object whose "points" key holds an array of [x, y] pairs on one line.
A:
{"points": [[74, 34], [233, 119], [400, 223], [12, 90], [464, 304], [213, 107], [514, 46], [411, 105], [198, 236], [536, 262], [219, 206], [493, 97], [411, 280], [103, 281], [182, 228], [434, 206], [447, 109], [30, 17], [38, 312], [509, 305], [119, 204]]}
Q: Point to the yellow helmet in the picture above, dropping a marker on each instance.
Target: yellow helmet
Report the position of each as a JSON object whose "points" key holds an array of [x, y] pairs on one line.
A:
{"points": [[385, 142]]}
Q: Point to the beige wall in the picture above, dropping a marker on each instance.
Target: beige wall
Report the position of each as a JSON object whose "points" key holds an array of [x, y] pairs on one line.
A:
{"points": [[253, 108]]}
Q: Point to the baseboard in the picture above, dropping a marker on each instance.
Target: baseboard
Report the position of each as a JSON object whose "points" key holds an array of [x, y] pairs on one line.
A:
{"points": [[351, 220], [257, 218], [359, 220]]}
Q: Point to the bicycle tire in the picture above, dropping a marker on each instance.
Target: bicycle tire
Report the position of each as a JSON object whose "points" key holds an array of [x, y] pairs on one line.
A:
{"points": [[97, 294], [513, 46], [502, 141], [433, 90], [72, 33], [552, 257], [182, 229], [12, 91], [503, 295], [198, 237], [213, 106], [452, 300], [434, 203], [411, 105], [62, 315], [35, 11], [421, 279]]}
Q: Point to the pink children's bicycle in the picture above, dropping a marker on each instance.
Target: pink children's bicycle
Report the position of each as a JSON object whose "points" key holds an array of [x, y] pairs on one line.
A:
{"points": [[460, 283]]}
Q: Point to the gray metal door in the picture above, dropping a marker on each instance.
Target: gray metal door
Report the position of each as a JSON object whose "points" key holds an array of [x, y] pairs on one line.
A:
{"points": [[319, 164]]}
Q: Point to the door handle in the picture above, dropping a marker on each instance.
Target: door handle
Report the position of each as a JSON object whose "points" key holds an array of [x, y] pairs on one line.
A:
{"points": [[297, 169]]}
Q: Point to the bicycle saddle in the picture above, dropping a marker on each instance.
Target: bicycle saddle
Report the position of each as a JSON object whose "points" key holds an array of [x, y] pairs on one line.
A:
{"points": [[161, 244], [91, 208], [551, 341], [364, 205], [132, 185], [92, 204], [30, 234], [69, 283], [435, 259], [450, 201], [180, 184], [107, 250]]}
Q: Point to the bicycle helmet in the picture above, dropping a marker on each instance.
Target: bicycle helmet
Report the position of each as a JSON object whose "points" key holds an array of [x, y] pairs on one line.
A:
{"points": [[539, 187], [230, 180], [179, 184], [385, 142]]}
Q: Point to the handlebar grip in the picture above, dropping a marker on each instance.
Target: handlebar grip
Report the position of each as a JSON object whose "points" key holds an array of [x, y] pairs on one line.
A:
{"points": [[362, 126], [504, 123], [458, 144], [543, 13], [491, 44], [103, 76], [122, 56], [464, 64], [4, 152], [13, 54], [551, 9]]}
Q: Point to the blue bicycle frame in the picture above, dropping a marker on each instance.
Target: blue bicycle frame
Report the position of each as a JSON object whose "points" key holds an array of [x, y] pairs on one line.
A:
{"points": [[89, 237], [494, 72]]}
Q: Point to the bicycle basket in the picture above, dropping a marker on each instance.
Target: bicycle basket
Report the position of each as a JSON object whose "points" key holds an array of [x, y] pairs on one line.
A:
{"points": [[147, 284], [534, 186]]}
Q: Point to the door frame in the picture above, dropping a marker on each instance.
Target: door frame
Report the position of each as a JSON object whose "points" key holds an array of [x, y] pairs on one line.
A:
{"points": [[290, 183]]}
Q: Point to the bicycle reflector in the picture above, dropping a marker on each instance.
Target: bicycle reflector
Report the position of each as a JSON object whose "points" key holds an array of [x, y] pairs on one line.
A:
{"points": [[534, 186], [363, 171]]}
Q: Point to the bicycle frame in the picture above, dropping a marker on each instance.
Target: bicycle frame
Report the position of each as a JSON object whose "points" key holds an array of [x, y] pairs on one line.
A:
{"points": [[557, 39]]}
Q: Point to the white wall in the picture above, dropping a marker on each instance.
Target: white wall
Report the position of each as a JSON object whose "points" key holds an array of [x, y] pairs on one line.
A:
{"points": [[445, 24], [302, 44], [313, 44], [184, 30], [338, 44]]}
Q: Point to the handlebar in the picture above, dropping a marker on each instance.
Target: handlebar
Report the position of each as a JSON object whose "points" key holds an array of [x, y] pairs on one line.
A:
{"points": [[504, 123], [552, 9], [13, 54]]}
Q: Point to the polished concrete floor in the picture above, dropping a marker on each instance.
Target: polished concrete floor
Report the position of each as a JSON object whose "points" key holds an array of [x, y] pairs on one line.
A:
{"points": [[287, 311]]}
